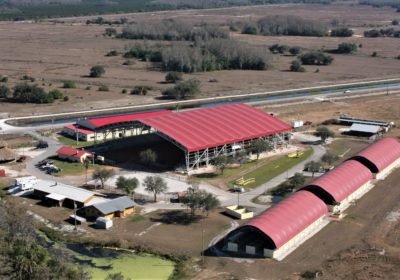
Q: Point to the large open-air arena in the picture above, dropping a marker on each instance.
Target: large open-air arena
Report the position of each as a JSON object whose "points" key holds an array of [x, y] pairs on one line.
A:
{"points": [[179, 140]]}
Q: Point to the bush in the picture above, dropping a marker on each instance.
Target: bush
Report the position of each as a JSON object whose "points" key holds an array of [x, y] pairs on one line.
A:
{"points": [[183, 90], [316, 58], [56, 94], [103, 88], [295, 50], [140, 90], [173, 77], [69, 84], [27, 78], [346, 48], [4, 91], [25, 93], [250, 28], [110, 32], [295, 66], [112, 53], [3, 79], [342, 32], [88, 88], [66, 98], [128, 62], [395, 22], [374, 54], [124, 91], [97, 71]]}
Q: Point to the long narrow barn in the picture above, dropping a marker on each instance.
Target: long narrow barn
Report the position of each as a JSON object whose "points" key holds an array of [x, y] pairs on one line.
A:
{"points": [[343, 184], [381, 157], [206, 133], [278, 231]]}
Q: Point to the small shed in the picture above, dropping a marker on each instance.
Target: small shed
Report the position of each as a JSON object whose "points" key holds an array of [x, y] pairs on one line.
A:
{"points": [[105, 223], [118, 207], [72, 154]]}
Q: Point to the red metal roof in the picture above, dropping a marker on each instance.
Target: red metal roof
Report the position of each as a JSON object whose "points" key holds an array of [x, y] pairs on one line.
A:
{"points": [[289, 217], [93, 123], [80, 130], [343, 180], [71, 152], [382, 153], [215, 126]]}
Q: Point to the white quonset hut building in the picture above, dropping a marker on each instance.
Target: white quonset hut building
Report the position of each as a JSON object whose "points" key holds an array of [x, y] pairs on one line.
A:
{"points": [[278, 231], [342, 185], [381, 157]]}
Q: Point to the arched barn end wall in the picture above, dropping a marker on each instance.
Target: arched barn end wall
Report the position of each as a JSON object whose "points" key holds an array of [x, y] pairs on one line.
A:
{"points": [[287, 224], [381, 157], [340, 186]]}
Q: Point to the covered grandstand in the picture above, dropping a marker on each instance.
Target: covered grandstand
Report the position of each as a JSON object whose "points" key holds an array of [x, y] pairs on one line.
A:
{"points": [[281, 229], [343, 184], [381, 157], [206, 133]]}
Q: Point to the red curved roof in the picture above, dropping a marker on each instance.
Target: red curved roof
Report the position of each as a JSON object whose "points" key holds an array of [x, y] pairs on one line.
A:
{"points": [[382, 153], [289, 217], [344, 179], [215, 126]]}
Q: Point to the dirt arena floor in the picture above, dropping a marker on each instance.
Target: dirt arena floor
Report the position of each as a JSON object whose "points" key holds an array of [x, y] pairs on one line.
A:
{"points": [[54, 52]]}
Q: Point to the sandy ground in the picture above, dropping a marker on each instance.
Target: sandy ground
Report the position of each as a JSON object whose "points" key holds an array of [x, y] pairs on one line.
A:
{"points": [[54, 52]]}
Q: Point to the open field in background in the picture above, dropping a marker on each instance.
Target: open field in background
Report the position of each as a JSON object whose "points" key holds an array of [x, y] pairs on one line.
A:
{"points": [[54, 52]]}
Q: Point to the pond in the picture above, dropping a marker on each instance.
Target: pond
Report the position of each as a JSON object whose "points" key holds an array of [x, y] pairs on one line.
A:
{"points": [[102, 262]]}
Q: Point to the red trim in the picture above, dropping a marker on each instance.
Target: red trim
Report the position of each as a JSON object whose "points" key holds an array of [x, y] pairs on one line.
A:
{"points": [[80, 130]]}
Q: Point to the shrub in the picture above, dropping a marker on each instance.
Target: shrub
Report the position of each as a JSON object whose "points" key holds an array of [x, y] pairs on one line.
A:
{"points": [[346, 48], [56, 94], [3, 79], [316, 58], [374, 54], [140, 90], [97, 71], [112, 53], [395, 22], [124, 91], [183, 90], [66, 98], [295, 50], [4, 91], [342, 32], [88, 88], [295, 66], [25, 93], [27, 78], [103, 88], [128, 62], [110, 32], [69, 84], [173, 77], [250, 28]]}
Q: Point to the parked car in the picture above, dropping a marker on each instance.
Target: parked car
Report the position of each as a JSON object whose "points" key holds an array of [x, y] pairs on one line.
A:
{"points": [[237, 189], [42, 145]]}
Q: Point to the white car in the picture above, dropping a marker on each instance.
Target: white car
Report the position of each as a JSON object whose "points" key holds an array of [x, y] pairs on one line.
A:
{"points": [[347, 91]]}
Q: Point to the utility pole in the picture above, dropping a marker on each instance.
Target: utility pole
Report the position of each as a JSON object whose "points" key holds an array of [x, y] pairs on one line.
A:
{"points": [[75, 216]]}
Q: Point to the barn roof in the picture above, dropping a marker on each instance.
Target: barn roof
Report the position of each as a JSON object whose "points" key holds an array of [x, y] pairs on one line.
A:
{"points": [[98, 122], [215, 126], [343, 180], [289, 217], [382, 153]]}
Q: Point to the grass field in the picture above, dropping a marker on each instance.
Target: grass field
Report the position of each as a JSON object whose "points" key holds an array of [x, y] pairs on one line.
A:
{"points": [[268, 171], [71, 168], [72, 142]]}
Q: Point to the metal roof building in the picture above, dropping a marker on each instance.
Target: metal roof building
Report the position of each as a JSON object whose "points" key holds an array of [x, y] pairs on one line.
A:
{"points": [[381, 157], [114, 205], [205, 133], [281, 229]]}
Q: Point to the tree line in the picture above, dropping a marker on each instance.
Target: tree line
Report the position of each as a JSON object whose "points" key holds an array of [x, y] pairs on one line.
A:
{"points": [[171, 30], [28, 93], [388, 32], [285, 25]]}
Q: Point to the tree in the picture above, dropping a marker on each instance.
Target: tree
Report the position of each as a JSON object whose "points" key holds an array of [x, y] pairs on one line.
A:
{"points": [[86, 164], [295, 66], [250, 28], [200, 199], [173, 77], [259, 146], [241, 157], [297, 180], [342, 32], [27, 93], [221, 162], [324, 133], [329, 158], [4, 91], [128, 185], [97, 71], [155, 184], [102, 175], [148, 157], [69, 84], [313, 167], [210, 202], [395, 22]]}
